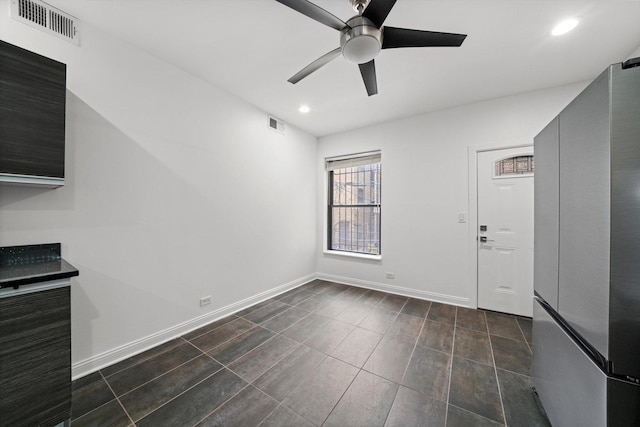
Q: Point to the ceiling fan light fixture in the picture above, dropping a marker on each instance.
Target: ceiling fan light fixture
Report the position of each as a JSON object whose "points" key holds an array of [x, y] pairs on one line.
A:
{"points": [[362, 36], [564, 27], [361, 42], [360, 50]]}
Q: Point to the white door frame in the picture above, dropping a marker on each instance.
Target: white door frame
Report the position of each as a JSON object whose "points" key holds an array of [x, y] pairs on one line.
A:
{"points": [[473, 213]]}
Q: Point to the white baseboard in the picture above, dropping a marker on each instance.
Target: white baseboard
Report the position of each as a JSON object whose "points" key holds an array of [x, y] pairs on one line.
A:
{"points": [[398, 290], [99, 361]]}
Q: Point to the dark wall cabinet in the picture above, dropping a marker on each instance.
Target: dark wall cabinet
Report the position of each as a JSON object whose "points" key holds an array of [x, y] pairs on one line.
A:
{"points": [[32, 117], [35, 358]]}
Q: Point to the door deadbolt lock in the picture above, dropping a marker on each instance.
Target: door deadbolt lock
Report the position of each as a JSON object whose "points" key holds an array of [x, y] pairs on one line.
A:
{"points": [[483, 228]]}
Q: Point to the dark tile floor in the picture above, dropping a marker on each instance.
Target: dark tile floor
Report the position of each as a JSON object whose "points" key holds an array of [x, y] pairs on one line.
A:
{"points": [[326, 354]]}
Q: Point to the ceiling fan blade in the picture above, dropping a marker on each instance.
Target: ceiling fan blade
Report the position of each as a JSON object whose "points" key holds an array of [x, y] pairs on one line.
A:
{"points": [[403, 37], [368, 71], [315, 12], [315, 65], [378, 10]]}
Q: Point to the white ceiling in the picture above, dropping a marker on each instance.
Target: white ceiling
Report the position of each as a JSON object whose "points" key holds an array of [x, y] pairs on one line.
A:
{"points": [[251, 47]]}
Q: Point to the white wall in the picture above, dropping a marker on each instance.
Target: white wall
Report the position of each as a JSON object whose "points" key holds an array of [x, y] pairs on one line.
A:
{"points": [[175, 190], [425, 184], [635, 53]]}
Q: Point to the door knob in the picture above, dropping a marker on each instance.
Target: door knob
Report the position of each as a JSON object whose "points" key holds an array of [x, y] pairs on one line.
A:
{"points": [[484, 239]]}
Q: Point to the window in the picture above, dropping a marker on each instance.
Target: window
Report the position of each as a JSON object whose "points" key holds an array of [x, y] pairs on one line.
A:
{"points": [[519, 165], [354, 203]]}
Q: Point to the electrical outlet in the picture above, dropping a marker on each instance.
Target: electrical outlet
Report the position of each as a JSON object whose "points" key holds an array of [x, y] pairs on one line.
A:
{"points": [[205, 301], [390, 275]]}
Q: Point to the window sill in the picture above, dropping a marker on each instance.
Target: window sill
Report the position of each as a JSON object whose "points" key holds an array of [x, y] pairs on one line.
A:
{"points": [[353, 255]]}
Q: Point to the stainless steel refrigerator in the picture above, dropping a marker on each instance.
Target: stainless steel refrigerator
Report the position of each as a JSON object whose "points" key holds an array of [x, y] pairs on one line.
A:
{"points": [[586, 321]]}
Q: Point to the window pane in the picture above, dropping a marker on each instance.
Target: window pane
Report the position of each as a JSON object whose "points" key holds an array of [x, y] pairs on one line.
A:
{"points": [[356, 229], [518, 165], [357, 186], [354, 208]]}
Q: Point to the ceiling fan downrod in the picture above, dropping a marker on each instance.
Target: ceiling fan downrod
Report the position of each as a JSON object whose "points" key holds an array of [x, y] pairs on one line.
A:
{"points": [[359, 5], [363, 36]]}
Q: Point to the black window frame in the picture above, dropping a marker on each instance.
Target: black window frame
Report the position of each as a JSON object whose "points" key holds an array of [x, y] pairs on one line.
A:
{"points": [[377, 207]]}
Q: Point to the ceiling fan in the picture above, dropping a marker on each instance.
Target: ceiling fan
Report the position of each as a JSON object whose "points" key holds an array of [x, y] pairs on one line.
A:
{"points": [[362, 37]]}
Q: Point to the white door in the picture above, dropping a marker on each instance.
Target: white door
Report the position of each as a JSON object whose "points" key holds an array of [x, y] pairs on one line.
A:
{"points": [[505, 230]]}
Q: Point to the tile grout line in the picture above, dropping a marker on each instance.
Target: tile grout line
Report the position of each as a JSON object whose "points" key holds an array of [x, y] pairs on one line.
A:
{"points": [[298, 385], [289, 307], [281, 332], [231, 338], [298, 344], [211, 330], [266, 370], [424, 322], [194, 385], [453, 346], [495, 371], [181, 393], [280, 403], [222, 404], [523, 335], [184, 340], [341, 396], [97, 407], [270, 413], [384, 335], [360, 369], [143, 360], [165, 372], [118, 400], [280, 359], [415, 344], [478, 415]]}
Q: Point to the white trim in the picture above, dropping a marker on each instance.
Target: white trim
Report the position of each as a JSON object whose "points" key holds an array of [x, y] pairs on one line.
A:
{"points": [[516, 176], [473, 213], [102, 360], [397, 290], [353, 255], [353, 156], [44, 181], [34, 287], [109, 357], [325, 215]]}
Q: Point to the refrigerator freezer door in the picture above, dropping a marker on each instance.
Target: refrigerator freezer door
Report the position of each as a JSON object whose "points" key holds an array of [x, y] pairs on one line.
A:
{"points": [[571, 388], [546, 205], [583, 290]]}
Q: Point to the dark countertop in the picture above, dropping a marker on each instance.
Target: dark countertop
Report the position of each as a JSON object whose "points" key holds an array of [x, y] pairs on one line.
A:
{"points": [[24, 265]]}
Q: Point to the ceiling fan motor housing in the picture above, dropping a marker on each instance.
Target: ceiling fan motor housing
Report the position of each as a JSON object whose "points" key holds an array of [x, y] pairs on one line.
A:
{"points": [[361, 41]]}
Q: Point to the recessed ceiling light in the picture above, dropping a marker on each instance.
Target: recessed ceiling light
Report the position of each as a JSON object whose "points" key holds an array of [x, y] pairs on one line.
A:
{"points": [[564, 27], [304, 109]]}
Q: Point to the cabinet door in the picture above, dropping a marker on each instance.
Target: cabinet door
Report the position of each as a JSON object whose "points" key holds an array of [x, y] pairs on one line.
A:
{"points": [[35, 358], [32, 113], [583, 295], [546, 218]]}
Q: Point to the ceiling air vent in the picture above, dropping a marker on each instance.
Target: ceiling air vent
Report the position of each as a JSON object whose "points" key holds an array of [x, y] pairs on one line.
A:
{"points": [[47, 18], [275, 124]]}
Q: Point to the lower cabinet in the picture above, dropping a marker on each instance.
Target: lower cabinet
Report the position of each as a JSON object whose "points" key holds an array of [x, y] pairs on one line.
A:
{"points": [[35, 358]]}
